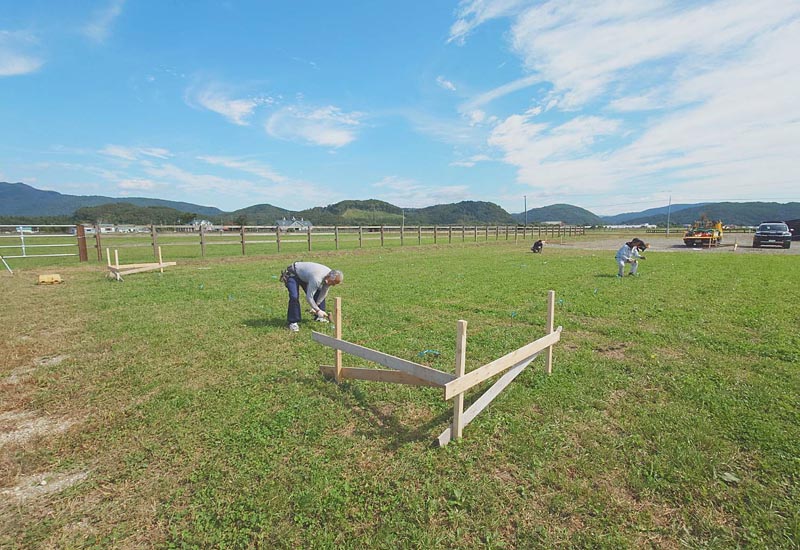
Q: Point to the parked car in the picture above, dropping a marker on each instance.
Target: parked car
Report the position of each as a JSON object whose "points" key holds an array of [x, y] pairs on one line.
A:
{"points": [[772, 233]]}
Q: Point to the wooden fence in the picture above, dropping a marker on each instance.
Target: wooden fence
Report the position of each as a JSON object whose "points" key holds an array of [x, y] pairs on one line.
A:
{"points": [[455, 385]]}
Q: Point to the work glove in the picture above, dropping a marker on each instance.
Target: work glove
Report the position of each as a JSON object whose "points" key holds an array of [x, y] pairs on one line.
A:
{"points": [[322, 317]]}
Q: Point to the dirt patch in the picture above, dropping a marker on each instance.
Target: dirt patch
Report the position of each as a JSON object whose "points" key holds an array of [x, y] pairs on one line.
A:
{"points": [[18, 375], [19, 427], [49, 361], [37, 485], [613, 351]]}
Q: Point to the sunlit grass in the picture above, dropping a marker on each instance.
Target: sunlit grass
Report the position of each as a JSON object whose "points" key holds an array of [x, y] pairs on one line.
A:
{"points": [[670, 419]]}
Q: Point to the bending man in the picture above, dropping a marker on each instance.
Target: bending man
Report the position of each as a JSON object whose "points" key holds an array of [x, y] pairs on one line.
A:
{"points": [[315, 280], [630, 253]]}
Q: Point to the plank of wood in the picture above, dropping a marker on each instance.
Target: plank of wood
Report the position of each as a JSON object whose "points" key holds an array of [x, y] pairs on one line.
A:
{"points": [[551, 305], [376, 375], [151, 267], [463, 383], [461, 366], [420, 371], [483, 401]]}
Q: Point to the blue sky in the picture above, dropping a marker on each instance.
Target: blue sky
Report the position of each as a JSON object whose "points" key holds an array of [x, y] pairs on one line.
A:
{"points": [[613, 106]]}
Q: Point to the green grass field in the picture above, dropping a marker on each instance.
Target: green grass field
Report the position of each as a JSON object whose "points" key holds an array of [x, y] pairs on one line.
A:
{"points": [[186, 415]]}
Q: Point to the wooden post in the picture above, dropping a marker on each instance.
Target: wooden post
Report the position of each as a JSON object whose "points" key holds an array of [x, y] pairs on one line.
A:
{"points": [[381, 234], [461, 362], [203, 241], [116, 258], [449, 233], [515, 234], [360, 237], [97, 244], [435, 230], [241, 232], [338, 333], [463, 233], [497, 232], [154, 238], [278, 237], [419, 234], [336, 236], [475, 233], [551, 305], [402, 228], [486, 229], [80, 233], [309, 238], [160, 261]]}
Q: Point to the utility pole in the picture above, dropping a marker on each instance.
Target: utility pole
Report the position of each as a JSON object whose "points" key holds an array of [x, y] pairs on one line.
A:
{"points": [[669, 207], [526, 209]]}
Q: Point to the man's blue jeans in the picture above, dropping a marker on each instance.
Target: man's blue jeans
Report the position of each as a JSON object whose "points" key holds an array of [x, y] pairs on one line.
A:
{"points": [[292, 283]]}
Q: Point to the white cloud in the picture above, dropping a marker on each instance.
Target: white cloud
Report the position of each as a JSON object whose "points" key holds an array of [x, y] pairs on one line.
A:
{"points": [[15, 57], [99, 27], [327, 126], [216, 98], [137, 185], [408, 193], [473, 13], [446, 84], [722, 79], [247, 166], [134, 153], [471, 161]]}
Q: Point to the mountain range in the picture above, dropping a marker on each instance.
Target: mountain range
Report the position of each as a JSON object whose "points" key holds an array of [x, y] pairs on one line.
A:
{"points": [[21, 202]]}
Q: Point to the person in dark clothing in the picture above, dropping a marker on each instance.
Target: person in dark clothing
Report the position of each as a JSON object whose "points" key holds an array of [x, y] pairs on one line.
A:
{"points": [[537, 246]]}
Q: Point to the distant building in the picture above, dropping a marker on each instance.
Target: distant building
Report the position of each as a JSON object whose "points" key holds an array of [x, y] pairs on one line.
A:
{"points": [[293, 224], [632, 226]]}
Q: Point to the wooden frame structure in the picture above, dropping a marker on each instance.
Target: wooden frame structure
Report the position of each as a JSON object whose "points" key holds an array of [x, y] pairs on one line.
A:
{"points": [[117, 271], [455, 385]]}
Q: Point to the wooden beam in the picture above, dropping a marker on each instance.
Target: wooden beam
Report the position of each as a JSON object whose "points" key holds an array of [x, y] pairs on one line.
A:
{"points": [[376, 375], [484, 400], [551, 305], [461, 365], [338, 333], [420, 371], [463, 383]]}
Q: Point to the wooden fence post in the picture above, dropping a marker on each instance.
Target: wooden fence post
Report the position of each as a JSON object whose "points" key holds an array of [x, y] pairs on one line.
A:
{"points": [[360, 237], [97, 243], [80, 233], [309, 238], [241, 232], [475, 233], [461, 361], [463, 233], [486, 228], [278, 237], [154, 238], [381, 234], [449, 234], [435, 230], [419, 234], [497, 232], [402, 228], [551, 305], [506, 232], [203, 240], [515, 234], [336, 236], [338, 334]]}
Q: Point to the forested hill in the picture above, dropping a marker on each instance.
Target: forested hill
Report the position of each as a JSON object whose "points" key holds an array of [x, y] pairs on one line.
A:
{"points": [[736, 213], [566, 213], [18, 199]]}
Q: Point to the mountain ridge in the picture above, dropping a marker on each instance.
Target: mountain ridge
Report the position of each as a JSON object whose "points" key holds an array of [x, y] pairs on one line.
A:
{"points": [[18, 200]]}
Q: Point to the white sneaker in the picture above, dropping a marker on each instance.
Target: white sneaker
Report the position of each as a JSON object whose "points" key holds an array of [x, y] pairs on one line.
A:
{"points": [[294, 327]]}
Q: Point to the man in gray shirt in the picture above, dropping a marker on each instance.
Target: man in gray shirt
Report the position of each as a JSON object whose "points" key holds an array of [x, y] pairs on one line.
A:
{"points": [[315, 280]]}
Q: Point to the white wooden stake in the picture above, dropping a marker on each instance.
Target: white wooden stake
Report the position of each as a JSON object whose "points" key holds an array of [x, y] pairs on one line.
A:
{"points": [[461, 360], [338, 334], [551, 306]]}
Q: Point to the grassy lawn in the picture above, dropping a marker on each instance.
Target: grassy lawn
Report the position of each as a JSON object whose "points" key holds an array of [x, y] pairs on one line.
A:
{"points": [[175, 409]]}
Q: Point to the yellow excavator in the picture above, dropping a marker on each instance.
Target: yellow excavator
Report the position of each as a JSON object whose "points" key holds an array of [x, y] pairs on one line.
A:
{"points": [[704, 232]]}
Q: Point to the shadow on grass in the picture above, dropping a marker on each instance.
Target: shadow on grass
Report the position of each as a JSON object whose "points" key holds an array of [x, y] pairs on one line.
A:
{"points": [[266, 323], [382, 425]]}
